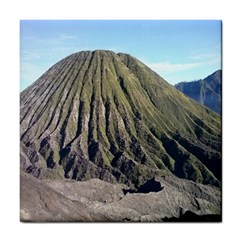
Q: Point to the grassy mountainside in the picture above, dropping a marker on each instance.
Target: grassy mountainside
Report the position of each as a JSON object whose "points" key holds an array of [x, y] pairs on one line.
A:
{"points": [[105, 115]]}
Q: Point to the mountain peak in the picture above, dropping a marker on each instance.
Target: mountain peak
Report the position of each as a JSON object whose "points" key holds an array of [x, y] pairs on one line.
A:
{"points": [[98, 114], [99, 52], [206, 91]]}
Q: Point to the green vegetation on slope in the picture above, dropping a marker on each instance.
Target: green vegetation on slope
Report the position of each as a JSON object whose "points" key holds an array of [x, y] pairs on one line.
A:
{"points": [[106, 115]]}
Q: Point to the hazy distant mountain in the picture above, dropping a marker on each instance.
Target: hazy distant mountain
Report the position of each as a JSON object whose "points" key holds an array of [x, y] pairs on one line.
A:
{"points": [[108, 116], [206, 91]]}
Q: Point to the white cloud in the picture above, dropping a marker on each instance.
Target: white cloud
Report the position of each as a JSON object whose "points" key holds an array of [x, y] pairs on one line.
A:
{"points": [[30, 55], [66, 37], [52, 41], [167, 67], [194, 61], [202, 56]]}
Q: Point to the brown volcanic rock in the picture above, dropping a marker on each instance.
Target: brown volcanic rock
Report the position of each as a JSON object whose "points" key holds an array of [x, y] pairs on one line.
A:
{"points": [[96, 200], [38, 202]]}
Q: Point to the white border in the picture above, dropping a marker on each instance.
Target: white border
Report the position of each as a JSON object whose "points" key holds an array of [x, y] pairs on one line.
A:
{"points": [[13, 11]]}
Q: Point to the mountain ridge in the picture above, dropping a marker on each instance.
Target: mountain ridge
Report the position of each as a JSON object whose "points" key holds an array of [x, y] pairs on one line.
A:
{"points": [[207, 91], [105, 115]]}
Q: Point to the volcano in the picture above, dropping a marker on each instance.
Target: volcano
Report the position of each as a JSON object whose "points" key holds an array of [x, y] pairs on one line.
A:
{"points": [[101, 116], [108, 116]]}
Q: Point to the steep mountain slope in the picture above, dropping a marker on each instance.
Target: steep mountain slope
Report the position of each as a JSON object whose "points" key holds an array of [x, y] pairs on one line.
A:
{"points": [[206, 91], [108, 116]]}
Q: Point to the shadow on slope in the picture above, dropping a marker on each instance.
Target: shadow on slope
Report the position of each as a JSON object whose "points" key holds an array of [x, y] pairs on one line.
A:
{"points": [[150, 186], [189, 216]]}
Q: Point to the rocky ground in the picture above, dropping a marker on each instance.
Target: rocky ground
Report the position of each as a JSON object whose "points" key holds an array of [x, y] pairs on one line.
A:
{"points": [[98, 201]]}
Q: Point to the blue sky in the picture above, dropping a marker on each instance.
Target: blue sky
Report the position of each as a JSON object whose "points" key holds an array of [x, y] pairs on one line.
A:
{"points": [[176, 50]]}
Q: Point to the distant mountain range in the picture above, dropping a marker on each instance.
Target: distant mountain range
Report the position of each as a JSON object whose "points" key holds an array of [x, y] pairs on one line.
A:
{"points": [[206, 91]]}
